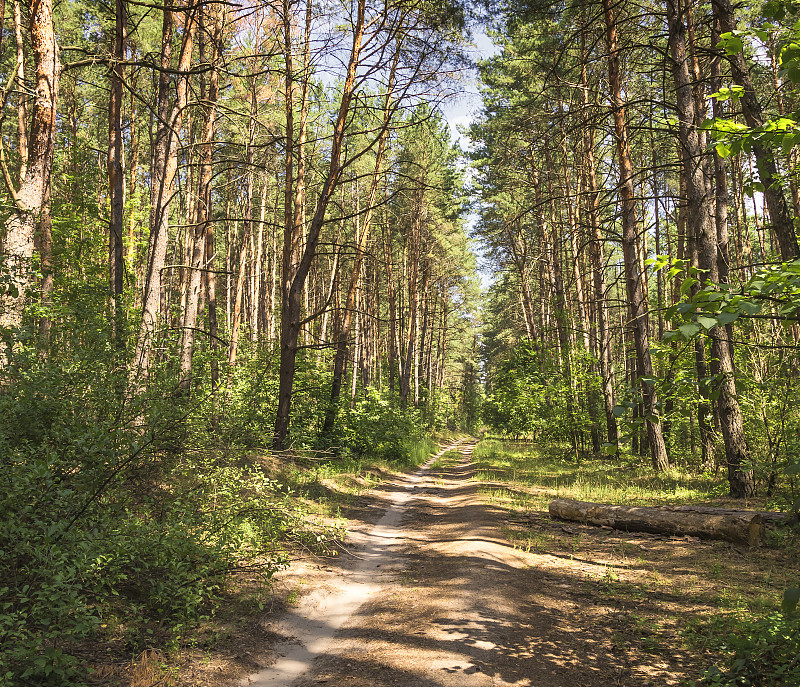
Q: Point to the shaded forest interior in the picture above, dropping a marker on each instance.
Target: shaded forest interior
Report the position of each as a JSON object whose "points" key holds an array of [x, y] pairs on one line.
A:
{"points": [[239, 239]]}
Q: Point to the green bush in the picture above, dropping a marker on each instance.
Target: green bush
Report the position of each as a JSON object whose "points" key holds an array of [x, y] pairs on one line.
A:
{"points": [[378, 428], [764, 653], [104, 522]]}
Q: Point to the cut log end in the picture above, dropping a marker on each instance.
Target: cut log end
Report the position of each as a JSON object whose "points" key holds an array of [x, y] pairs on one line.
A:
{"points": [[739, 527]]}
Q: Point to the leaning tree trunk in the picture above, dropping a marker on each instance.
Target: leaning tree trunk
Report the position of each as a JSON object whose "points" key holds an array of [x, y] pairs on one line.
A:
{"points": [[29, 201], [295, 275], [634, 281], [344, 331], [754, 117]]}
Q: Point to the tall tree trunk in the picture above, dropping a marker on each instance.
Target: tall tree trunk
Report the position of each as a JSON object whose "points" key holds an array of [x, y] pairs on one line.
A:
{"points": [[22, 98], [634, 281], [392, 302], [203, 219], [604, 353], [164, 169], [701, 217], [295, 274], [257, 273], [29, 201], [46, 257], [116, 175], [344, 331]]}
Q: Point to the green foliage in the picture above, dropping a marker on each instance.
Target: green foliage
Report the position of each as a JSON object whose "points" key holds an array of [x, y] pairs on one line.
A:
{"points": [[780, 132], [377, 427], [773, 291], [530, 397], [763, 653], [107, 522]]}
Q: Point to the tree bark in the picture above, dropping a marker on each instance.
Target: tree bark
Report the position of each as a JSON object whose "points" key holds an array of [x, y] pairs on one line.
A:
{"points": [[22, 99], [701, 220], [164, 169], [29, 201], [754, 117], [634, 281], [607, 375], [740, 527], [295, 275], [116, 175], [203, 220], [344, 331]]}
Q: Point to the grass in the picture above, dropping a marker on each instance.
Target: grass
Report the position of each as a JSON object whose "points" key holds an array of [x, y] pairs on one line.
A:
{"points": [[329, 486], [532, 476], [673, 597]]}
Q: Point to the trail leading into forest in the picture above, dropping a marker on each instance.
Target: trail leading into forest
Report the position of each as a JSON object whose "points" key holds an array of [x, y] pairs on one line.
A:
{"points": [[438, 598], [311, 626]]}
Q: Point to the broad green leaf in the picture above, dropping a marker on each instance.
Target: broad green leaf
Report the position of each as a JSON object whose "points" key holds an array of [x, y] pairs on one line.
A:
{"points": [[733, 45], [707, 322], [749, 307], [791, 597], [762, 35], [689, 330], [727, 318], [687, 284]]}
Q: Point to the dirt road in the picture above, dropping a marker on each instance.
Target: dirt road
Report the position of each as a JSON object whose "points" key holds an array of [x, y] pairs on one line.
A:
{"points": [[435, 597]]}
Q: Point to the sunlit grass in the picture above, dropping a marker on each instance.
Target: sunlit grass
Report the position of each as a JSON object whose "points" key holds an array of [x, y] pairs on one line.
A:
{"points": [[692, 606], [539, 475], [331, 485]]}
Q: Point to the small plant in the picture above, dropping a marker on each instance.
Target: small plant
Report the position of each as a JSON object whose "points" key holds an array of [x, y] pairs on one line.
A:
{"points": [[764, 653]]}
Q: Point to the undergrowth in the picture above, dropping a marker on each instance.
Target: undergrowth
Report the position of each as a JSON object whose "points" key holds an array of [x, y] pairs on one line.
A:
{"points": [[730, 610], [125, 515]]}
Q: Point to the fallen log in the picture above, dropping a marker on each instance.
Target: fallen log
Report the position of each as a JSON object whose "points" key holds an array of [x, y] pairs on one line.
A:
{"points": [[740, 527], [770, 517]]}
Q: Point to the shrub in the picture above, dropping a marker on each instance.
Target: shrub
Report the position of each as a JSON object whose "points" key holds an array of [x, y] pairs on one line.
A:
{"points": [[764, 653], [104, 522], [378, 428]]}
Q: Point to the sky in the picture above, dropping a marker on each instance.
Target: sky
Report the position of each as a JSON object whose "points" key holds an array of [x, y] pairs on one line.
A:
{"points": [[460, 110], [459, 113]]}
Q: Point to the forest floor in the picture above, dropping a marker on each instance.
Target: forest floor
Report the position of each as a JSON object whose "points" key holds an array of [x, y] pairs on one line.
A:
{"points": [[444, 585]]}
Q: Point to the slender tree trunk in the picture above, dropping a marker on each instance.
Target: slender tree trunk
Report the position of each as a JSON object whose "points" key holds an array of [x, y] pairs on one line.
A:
{"points": [[366, 222], [164, 169], [295, 274], [607, 377], [116, 175], [634, 280], [22, 98], [46, 257], [392, 302], [203, 220], [754, 117], [257, 273]]}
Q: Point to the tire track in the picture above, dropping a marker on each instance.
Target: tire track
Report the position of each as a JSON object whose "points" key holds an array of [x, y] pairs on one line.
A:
{"points": [[310, 628]]}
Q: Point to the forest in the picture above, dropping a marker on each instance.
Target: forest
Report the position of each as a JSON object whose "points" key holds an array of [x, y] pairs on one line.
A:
{"points": [[243, 253]]}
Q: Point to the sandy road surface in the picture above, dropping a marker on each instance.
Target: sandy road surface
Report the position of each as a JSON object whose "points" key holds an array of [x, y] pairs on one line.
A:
{"points": [[436, 597]]}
